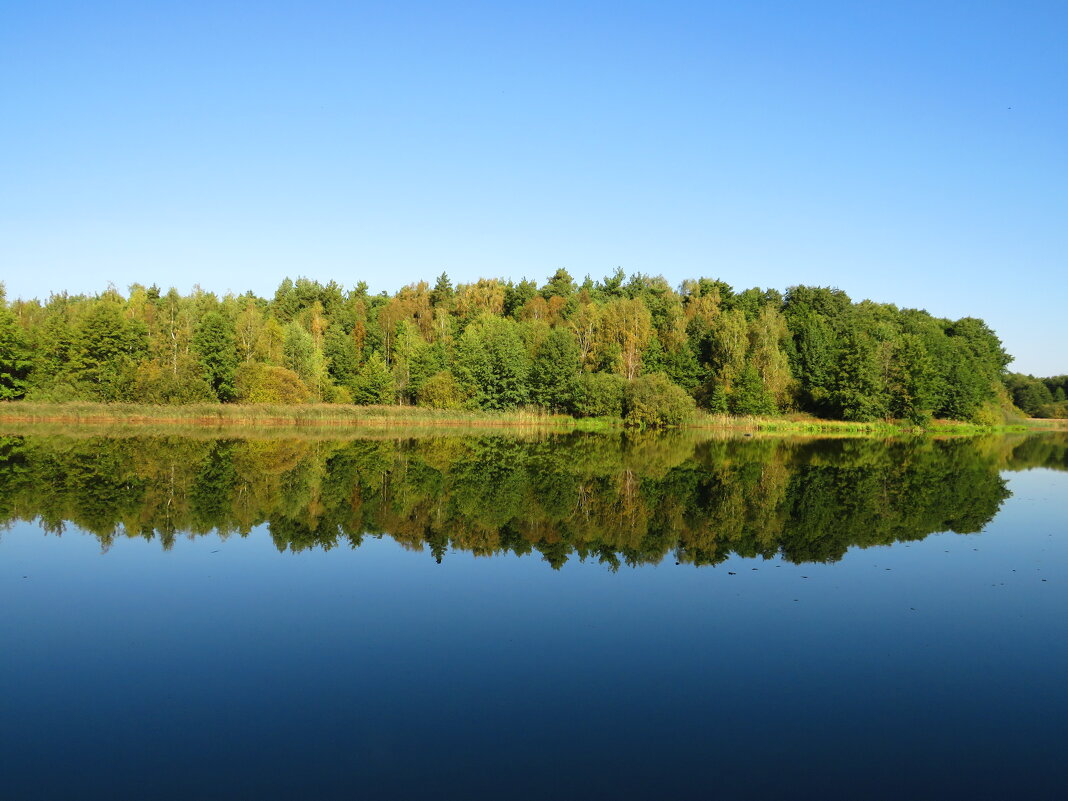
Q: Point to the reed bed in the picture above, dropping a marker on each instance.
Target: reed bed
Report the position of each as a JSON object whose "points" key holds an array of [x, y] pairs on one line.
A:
{"points": [[268, 415], [396, 420], [803, 424]]}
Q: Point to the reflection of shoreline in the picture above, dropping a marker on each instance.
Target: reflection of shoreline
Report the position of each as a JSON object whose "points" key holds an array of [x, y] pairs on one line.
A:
{"points": [[619, 499]]}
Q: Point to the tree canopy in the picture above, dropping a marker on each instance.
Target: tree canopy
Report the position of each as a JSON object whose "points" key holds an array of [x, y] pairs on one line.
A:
{"points": [[498, 344]]}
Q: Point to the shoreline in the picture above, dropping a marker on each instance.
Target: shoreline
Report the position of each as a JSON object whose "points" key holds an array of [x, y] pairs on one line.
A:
{"points": [[396, 418]]}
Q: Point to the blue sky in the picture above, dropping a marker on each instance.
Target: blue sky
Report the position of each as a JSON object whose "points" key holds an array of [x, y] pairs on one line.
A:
{"points": [[914, 153]]}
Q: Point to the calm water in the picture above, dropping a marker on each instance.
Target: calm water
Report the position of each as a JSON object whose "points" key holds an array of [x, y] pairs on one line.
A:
{"points": [[498, 618]]}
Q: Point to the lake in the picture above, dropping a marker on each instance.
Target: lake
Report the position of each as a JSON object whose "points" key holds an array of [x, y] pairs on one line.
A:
{"points": [[601, 616]]}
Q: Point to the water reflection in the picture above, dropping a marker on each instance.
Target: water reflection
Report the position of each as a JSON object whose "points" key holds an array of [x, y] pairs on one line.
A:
{"points": [[617, 499]]}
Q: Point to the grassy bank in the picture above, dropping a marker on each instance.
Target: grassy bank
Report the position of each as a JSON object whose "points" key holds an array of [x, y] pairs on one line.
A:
{"points": [[806, 424], [395, 419], [305, 416]]}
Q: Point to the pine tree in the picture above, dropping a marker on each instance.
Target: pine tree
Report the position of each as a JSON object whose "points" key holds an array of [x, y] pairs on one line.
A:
{"points": [[374, 383], [15, 357]]}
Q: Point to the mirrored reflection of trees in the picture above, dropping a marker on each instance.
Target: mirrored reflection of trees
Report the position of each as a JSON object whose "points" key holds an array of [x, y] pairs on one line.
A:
{"points": [[616, 499]]}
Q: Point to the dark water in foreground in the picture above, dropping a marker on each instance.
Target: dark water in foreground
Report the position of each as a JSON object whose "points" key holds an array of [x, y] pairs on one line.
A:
{"points": [[498, 618]]}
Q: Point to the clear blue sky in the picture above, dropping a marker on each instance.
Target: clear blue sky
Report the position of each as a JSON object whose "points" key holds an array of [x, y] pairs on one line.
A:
{"points": [[869, 146]]}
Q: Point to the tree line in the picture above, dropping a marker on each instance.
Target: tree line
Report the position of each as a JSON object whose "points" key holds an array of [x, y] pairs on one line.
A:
{"points": [[619, 499], [1039, 397], [637, 348]]}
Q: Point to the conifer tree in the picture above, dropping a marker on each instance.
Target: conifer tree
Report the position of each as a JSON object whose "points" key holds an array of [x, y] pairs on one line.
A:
{"points": [[15, 357]]}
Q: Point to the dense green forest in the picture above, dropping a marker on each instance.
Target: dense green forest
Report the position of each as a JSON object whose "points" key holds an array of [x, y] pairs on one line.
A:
{"points": [[620, 499], [636, 348], [1039, 397]]}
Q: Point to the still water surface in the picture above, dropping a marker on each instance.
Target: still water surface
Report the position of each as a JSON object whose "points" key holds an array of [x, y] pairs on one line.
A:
{"points": [[503, 618]]}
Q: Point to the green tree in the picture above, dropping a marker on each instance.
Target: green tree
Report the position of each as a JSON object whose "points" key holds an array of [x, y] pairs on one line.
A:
{"points": [[106, 348], [729, 340], [506, 344], [517, 295], [911, 380], [374, 383], [492, 364], [968, 385], [55, 342], [407, 349], [612, 286], [339, 349], [248, 330], [442, 293], [625, 331], [425, 363], [553, 370], [298, 350], [1028, 393], [271, 342], [16, 360], [767, 334], [306, 360], [857, 392], [217, 354], [560, 285], [749, 396]]}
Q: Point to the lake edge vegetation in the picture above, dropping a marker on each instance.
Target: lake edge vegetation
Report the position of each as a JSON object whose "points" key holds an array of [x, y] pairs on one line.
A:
{"points": [[403, 420], [592, 355]]}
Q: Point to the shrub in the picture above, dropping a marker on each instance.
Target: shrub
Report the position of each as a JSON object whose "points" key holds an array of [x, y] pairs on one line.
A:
{"points": [[652, 400], [58, 390], [440, 391], [919, 417], [989, 413], [598, 395], [154, 383], [1053, 411], [264, 383], [336, 394]]}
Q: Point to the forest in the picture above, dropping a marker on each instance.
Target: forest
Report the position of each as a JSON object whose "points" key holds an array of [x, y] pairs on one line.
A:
{"points": [[617, 499], [634, 348], [1039, 397]]}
